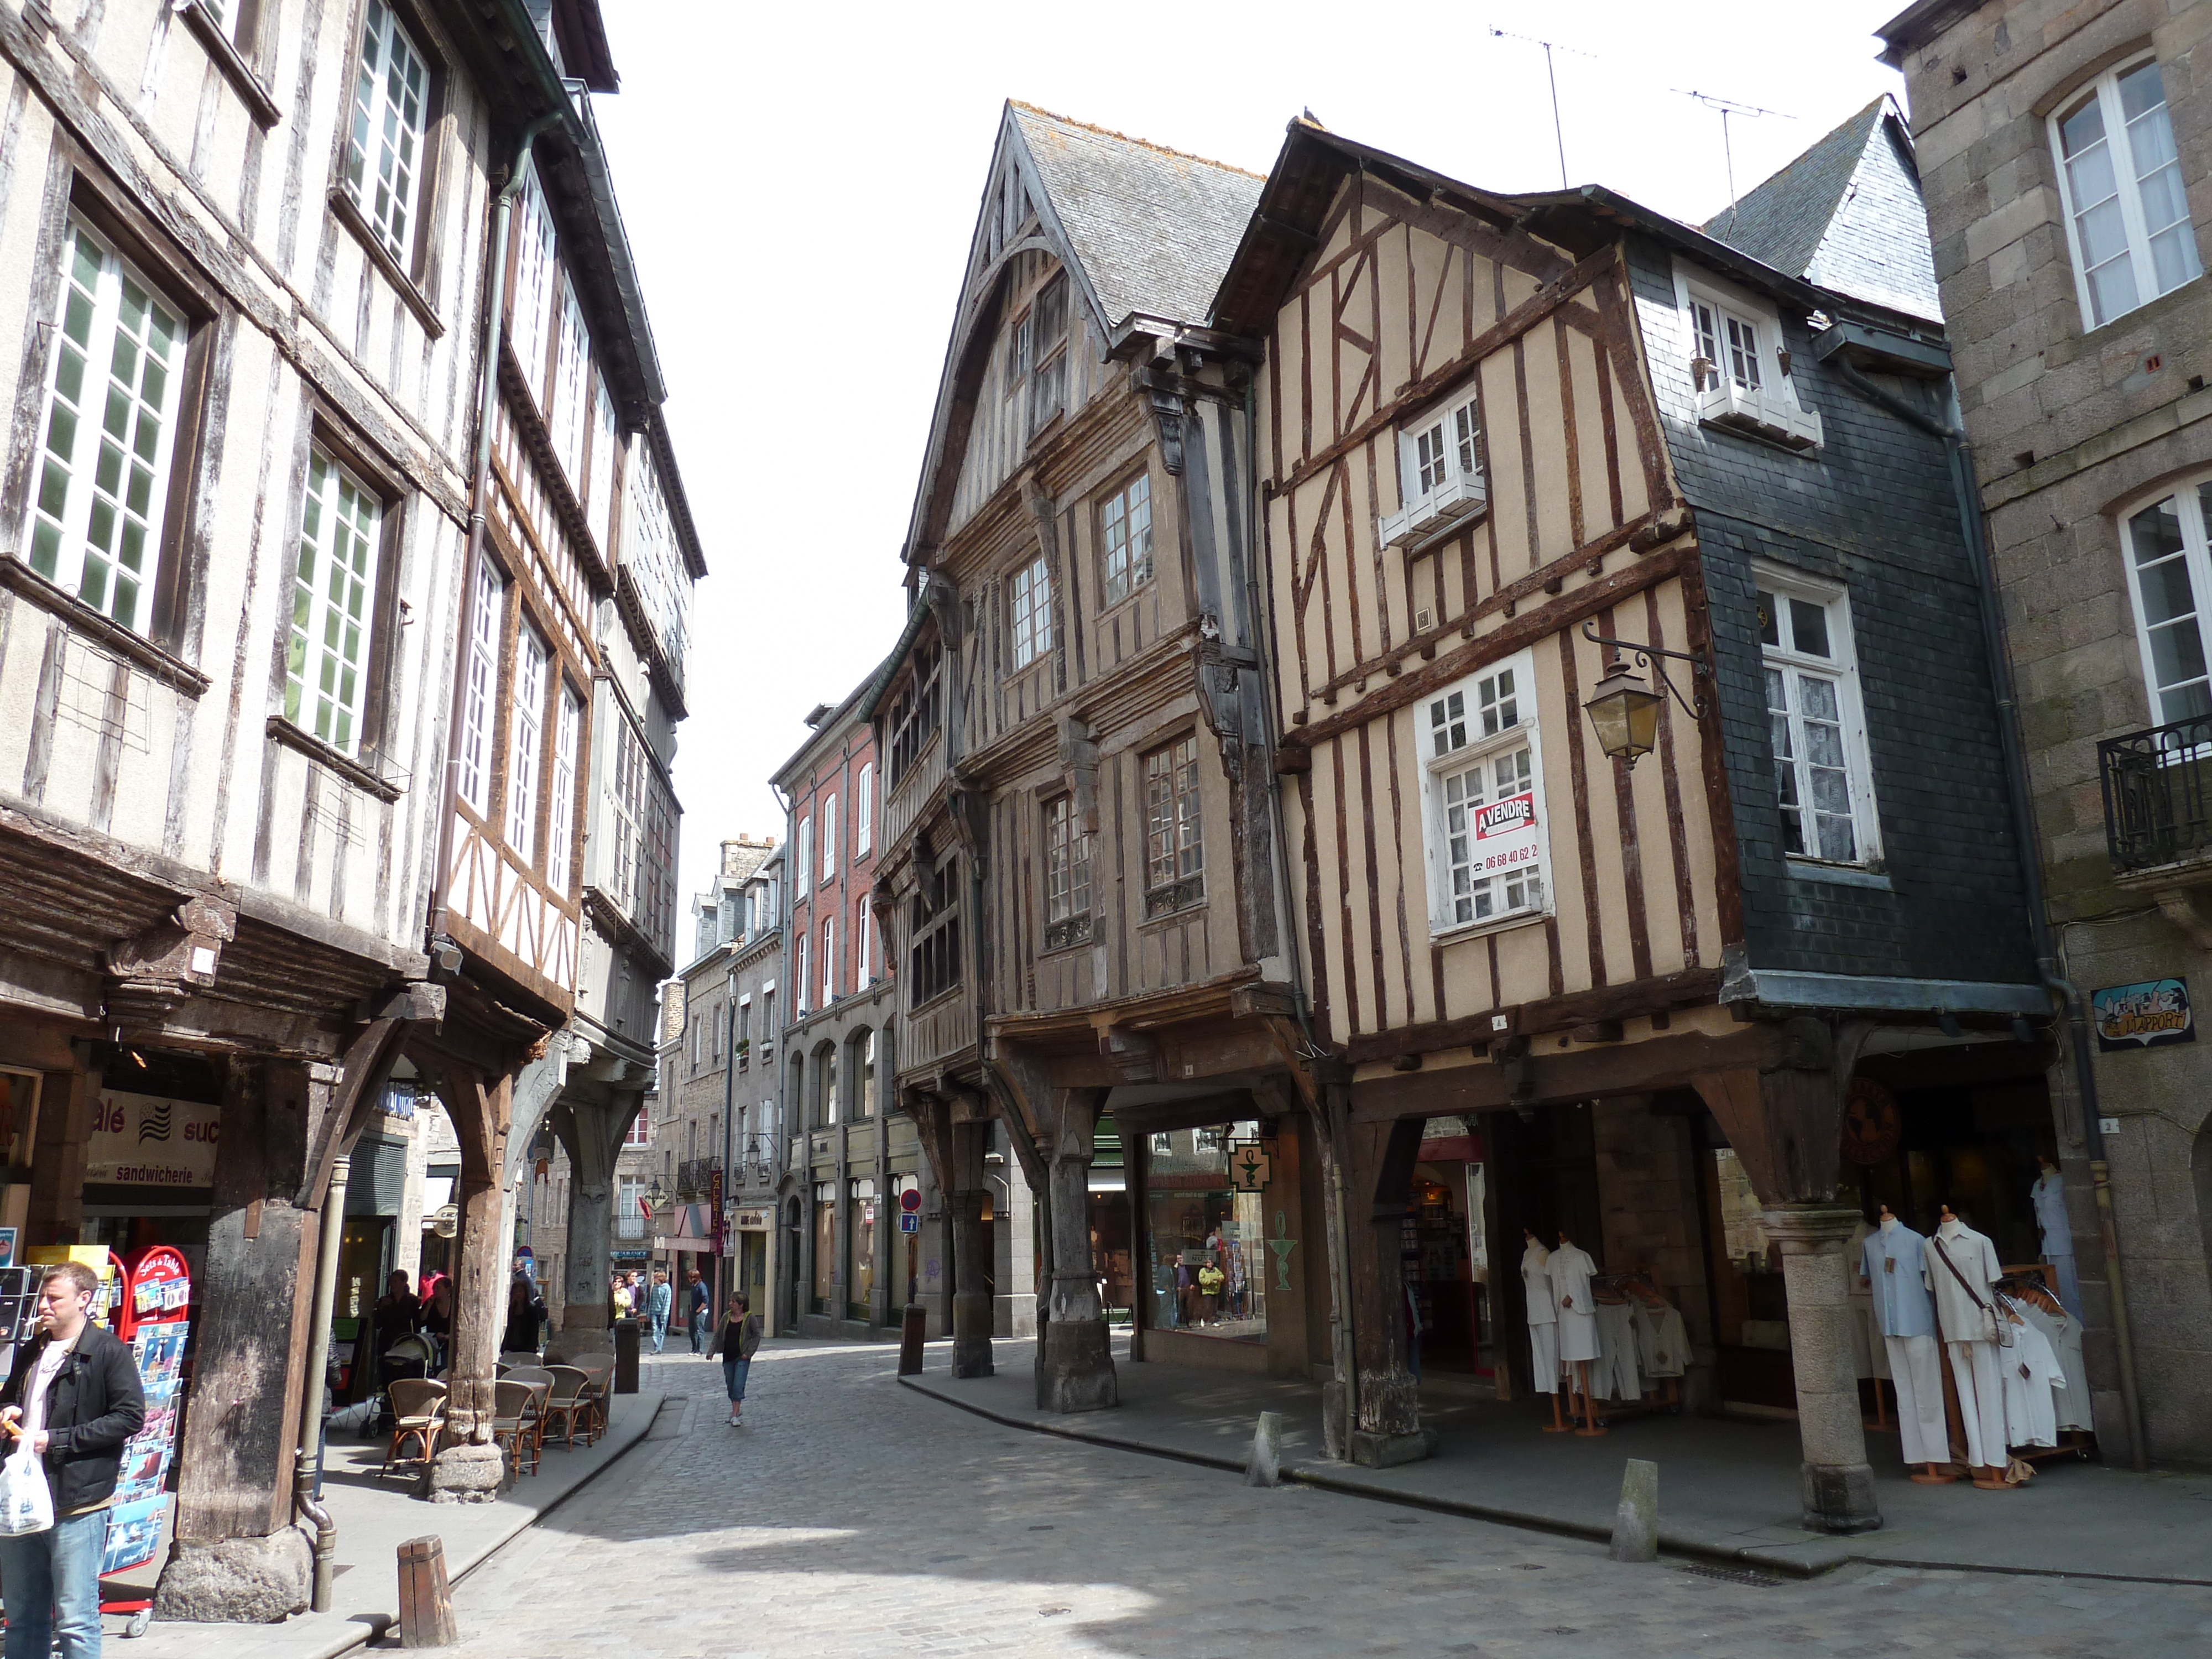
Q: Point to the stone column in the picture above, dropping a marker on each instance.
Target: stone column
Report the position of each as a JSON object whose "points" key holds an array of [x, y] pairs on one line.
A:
{"points": [[1839, 1484], [1075, 1360], [592, 1133], [971, 1287]]}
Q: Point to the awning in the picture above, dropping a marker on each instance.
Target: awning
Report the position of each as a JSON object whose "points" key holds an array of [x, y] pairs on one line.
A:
{"points": [[686, 1225]]}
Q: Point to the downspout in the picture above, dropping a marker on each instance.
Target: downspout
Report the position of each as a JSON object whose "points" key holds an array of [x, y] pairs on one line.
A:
{"points": [[307, 1460], [1339, 1267], [479, 492], [2019, 798]]}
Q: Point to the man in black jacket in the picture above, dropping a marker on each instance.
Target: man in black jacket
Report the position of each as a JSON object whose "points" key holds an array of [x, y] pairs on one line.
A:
{"points": [[75, 1393]]}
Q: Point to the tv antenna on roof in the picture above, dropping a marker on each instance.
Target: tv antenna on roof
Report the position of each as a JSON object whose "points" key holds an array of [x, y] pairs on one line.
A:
{"points": [[1558, 135], [1729, 106]]}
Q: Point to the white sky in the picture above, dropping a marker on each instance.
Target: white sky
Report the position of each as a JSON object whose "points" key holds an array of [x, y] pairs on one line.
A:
{"points": [[800, 182]]}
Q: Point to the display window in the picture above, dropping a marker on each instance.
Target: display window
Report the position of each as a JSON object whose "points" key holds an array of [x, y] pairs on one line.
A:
{"points": [[1205, 1209], [861, 1217], [1445, 1252], [825, 1247]]}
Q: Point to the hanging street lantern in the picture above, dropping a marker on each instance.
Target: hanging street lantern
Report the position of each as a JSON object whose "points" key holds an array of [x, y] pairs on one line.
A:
{"points": [[1625, 711]]}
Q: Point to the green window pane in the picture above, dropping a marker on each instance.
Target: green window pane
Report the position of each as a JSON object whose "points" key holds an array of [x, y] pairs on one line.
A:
{"points": [[108, 476], [100, 531], [46, 549], [69, 374]]}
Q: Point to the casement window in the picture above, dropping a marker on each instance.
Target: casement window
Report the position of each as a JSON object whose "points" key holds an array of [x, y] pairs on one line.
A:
{"points": [[826, 1097], [829, 961], [486, 618], [561, 833], [2170, 574], [914, 713], [526, 726], [934, 937], [1174, 848], [800, 981], [572, 379], [864, 946], [1739, 363], [864, 811], [384, 162], [1032, 611], [1048, 341], [1125, 532], [536, 272], [1487, 838], [1817, 728], [828, 837], [1067, 876], [108, 428], [1439, 471], [2120, 178], [806, 857], [326, 666], [599, 508], [864, 1074]]}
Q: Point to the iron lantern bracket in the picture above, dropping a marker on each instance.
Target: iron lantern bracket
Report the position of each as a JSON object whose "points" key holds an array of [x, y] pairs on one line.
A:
{"points": [[1694, 706]]}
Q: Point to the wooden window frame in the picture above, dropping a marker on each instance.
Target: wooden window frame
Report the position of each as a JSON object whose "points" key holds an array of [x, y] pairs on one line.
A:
{"points": [[827, 816], [1068, 878], [864, 811], [1483, 717], [917, 712], [803, 849], [1833, 599], [235, 49], [1459, 420], [1049, 353], [1183, 887], [1029, 611], [410, 270], [375, 473], [936, 966], [1131, 579], [566, 696], [2103, 89], [490, 580]]}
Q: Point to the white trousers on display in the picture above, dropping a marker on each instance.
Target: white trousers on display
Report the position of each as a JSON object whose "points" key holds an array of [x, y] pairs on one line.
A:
{"points": [[1544, 1357], [1981, 1400], [1916, 1365], [1577, 1334]]}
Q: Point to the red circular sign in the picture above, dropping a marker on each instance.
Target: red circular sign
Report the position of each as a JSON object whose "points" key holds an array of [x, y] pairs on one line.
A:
{"points": [[910, 1198]]}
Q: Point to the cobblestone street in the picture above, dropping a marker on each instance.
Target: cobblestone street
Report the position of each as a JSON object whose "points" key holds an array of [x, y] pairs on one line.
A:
{"points": [[853, 1516]]}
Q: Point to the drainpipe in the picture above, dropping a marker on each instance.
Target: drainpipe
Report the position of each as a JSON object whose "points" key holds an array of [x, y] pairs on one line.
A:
{"points": [[1335, 1225], [2019, 798], [479, 494], [307, 1459]]}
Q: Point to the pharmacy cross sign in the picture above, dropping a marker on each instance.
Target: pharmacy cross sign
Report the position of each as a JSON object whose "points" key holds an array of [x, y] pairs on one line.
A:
{"points": [[1249, 1168]]}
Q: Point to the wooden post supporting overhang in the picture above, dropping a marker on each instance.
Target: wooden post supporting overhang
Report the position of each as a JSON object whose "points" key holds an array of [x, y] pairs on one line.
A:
{"points": [[480, 1105]]}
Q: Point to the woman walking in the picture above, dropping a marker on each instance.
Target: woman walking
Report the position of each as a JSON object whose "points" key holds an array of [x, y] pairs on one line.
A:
{"points": [[740, 1336]]}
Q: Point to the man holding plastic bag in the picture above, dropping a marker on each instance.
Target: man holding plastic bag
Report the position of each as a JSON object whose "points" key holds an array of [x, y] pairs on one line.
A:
{"points": [[71, 1405]]}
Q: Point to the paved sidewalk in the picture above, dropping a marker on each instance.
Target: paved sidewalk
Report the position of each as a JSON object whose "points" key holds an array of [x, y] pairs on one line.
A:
{"points": [[375, 1516], [1728, 1490]]}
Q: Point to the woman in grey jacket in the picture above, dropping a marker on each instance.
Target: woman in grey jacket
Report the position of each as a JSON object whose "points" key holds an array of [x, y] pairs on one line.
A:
{"points": [[736, 1342]]}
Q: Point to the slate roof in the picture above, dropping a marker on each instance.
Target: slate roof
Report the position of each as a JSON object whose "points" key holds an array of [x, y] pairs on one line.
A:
{"points": [[1153, 228], [1846, 215]]}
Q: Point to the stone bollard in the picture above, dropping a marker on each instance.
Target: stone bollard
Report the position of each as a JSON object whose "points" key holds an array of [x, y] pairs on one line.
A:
{"points": [[1264, 1467], [1636, 1522]]}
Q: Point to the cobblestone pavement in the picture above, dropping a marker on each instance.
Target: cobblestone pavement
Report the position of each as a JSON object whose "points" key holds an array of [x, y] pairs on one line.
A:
{"points": [[850, 1516]]}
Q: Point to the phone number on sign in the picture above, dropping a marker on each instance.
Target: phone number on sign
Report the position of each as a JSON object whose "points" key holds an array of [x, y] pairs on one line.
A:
{"points": [[1508, 861]]}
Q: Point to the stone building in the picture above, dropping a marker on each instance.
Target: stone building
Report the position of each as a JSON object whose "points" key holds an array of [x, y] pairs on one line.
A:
{"points": [[2067, 157], [756, 1150]]}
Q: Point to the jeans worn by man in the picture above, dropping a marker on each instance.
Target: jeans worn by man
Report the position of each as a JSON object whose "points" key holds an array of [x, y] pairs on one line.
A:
{"points": [[74, 1393]]}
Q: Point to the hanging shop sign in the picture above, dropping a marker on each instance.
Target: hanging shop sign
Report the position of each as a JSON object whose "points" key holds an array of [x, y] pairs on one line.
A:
{"points": [[2144, 1016], [1250, 1166], [149, 1140]]}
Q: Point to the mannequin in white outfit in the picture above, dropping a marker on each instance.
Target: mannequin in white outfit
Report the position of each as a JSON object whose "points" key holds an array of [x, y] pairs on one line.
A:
{"points": [[1543, 1324], [2057, 1233], [1960, 1298], [1571, 1269], [1894, 1266]]}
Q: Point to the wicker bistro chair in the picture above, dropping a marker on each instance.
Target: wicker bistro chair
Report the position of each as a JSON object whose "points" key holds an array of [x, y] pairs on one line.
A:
{"points": [[418, 1410], [536, 1374], [515, 1422], [568, 1403], [599, 1392]]}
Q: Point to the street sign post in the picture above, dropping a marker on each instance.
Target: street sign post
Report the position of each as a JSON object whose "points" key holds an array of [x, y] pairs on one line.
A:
{"points": [[909, 1221]]}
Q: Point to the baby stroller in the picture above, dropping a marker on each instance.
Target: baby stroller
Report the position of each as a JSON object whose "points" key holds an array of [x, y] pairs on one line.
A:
{"points": [[414, 1357]]}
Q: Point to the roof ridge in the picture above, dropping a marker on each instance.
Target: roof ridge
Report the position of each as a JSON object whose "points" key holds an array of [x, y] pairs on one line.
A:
{"points": [[1843, 125], [1127, 138]]}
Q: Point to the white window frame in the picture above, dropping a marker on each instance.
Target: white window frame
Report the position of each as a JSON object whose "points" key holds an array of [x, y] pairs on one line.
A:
{"points": [[1125, 539], [863, 940], [1842, 665], [326, 662], [828, 960], [1472, 722], [525, 740], [560, 838], [1762, 400], [864, 811], [799, 978], [69, 503], [804, 859], [829, 838], [2193, 513], [1030, 609], [388, 143], [572, 381], [1440, 477], [486, 623], [2127, 189]]}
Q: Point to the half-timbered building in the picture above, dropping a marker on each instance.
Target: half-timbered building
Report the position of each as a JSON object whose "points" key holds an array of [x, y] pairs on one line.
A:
{"points": [[1076, 875], [1521, 457]]}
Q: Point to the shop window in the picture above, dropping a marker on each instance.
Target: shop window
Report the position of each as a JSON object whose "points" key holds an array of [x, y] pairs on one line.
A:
{"points": [[825, 1246], [1205, 1209], [861, 1214], [1482, 787]]}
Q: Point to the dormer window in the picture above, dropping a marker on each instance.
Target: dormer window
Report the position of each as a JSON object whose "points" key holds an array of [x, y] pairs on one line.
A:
{"points": [[1739, 368], [1440, 471]]}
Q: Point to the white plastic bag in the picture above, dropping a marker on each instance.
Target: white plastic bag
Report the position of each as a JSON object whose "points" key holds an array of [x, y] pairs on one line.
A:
{"points": [[26, 1505]]}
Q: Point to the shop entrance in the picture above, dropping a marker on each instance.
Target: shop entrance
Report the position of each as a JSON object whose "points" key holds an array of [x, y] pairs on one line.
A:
{"points": [[1446, 1253]]}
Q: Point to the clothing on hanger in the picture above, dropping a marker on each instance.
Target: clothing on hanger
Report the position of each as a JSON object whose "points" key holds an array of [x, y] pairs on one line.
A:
{"points": [[1615, 1376], [1543, 1318], [1893, 1260], [2032, 1375], [1570, 1268], [1662, 1341], [2063, 1333]]}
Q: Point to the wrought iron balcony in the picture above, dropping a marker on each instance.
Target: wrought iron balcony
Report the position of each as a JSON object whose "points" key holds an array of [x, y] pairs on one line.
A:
{"points": [[2158, 795], [695, 1178]]}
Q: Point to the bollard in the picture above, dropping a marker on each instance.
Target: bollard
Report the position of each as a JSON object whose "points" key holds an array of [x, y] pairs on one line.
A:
{"points": [[912, 1330], [627, 1335], [1264, 1467], [426, 1600], [1636, 1522]]}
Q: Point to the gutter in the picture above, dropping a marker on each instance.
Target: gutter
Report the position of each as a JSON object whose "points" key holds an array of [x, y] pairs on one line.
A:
{"points": [[2019, 799], [307, 1462]]}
